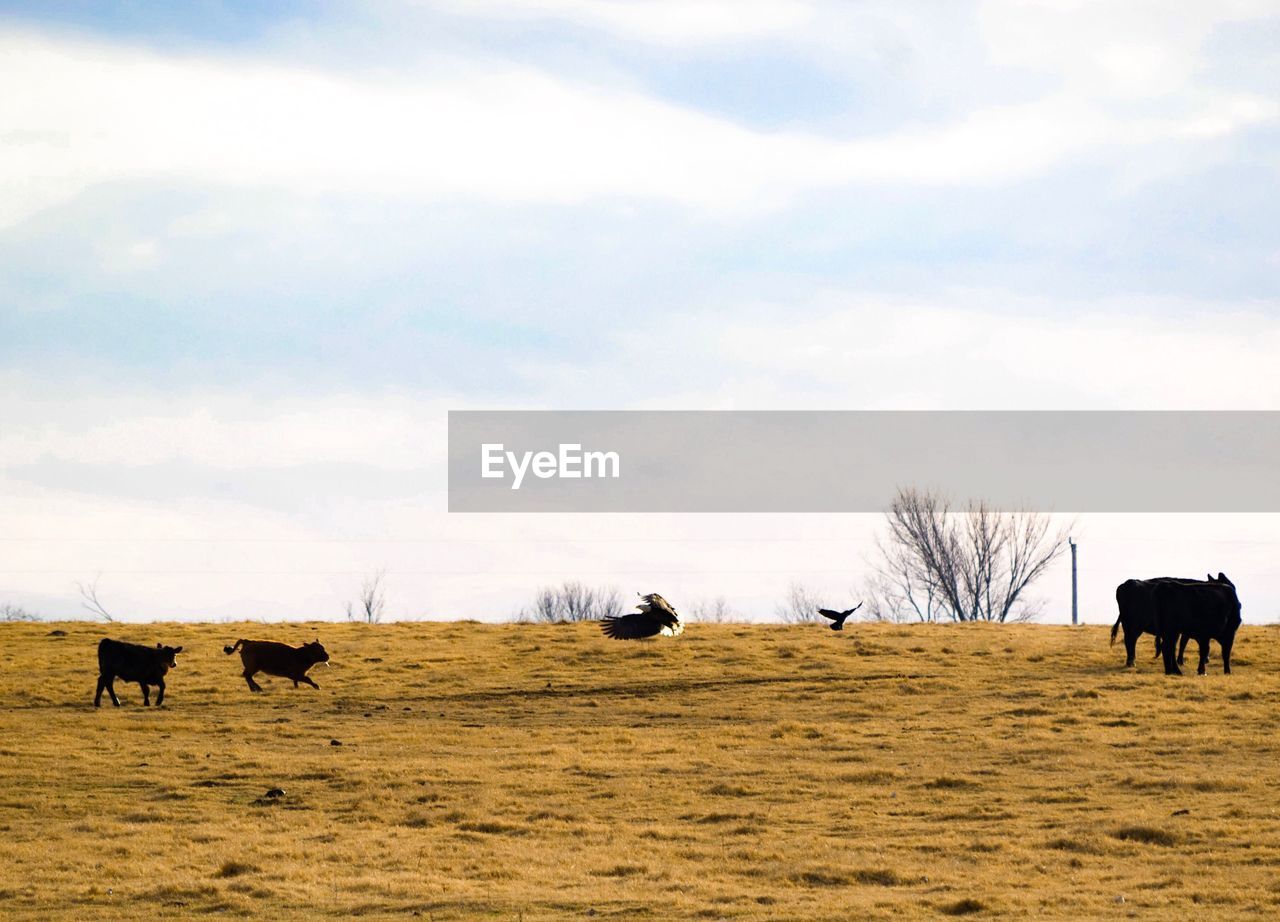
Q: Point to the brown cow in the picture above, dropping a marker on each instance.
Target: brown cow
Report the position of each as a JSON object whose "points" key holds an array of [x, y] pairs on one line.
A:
{"points": [[278, 659]]}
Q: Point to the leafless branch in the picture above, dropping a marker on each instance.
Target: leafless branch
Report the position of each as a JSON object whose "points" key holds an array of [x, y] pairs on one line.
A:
{"points": [[372, 603], [16, 613], [713, 611], [800, 605], [964, 566], [573, 601], [89, 599]]}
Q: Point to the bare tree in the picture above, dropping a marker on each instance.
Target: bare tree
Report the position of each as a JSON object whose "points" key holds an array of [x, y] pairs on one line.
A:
{"points": [[545, 607], [89, 599], [609, 602], [16, 613], [578, 601], [573, 601], [970, 565], [894, 591], [800, 605], [371, 604], [713, 611]]}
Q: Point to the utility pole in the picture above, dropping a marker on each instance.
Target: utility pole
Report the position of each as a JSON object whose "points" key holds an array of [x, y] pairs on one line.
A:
{"points": [[1075, 598]]}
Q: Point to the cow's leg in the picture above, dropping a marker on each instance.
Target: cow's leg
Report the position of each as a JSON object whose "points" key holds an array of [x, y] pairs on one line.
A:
{"points": [[1130, 645], [97, 697], [1226, 643], [1170, 650], [111, 690], [146, 694], [160, 693], [1182, 649], [308, 680], [248, 677], [1203, 644]]}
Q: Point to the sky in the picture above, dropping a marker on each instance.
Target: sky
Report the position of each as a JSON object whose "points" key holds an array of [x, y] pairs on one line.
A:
{"points": [[251, 254]]}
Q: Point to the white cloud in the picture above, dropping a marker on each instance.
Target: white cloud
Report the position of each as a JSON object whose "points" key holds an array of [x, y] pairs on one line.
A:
{"points": [[220, 428], [213, 556], [94, 113], [953, 350], [210, 558], [958, 352], [197, 558], [1086, 82], [1131, 50], [660, 21]]}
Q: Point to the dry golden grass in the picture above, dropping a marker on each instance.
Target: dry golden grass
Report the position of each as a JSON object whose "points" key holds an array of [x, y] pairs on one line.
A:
{"points": [[521, 772]]}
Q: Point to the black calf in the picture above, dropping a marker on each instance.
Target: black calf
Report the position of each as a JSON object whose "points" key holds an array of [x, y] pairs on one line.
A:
{"points": [[133, 663]]}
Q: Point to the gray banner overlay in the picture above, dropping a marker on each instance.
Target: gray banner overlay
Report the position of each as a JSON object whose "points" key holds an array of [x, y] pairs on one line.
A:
{"points": [[819, 461]]}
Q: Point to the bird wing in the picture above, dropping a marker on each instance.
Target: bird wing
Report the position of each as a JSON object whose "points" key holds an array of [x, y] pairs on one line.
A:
{"points": [[654, 603], [658, 608], [828, 613], [631, 627]]}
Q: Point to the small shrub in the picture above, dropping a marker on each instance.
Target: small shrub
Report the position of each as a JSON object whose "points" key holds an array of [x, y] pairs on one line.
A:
{"points": [[622, 870], [1148, 835], [965, 907], [1029, 712], [729, 790], [821, 879], [234, 869], [879, 877], [950, 784], [493, 828], [1075, 845]]}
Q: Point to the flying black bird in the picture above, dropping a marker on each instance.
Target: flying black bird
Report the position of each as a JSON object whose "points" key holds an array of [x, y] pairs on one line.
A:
{"points": [[838, 617], [656, 616]]}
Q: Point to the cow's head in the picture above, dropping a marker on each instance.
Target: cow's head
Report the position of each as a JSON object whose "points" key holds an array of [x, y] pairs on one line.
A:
{"points": [[316, 652], [167, 655], [1232, 617], [1222, 578]]}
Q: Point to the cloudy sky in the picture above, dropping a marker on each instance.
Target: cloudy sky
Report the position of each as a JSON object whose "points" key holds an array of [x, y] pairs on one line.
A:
{"points": [[249, 258]]}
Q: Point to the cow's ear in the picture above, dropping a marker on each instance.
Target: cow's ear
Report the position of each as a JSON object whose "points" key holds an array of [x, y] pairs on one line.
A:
{"points": [[1222, 578], [1208, 577], [177, 650], [159, 647]]}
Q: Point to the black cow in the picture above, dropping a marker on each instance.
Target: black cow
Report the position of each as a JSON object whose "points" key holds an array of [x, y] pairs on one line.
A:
{"points": [[1205, 611], [1135, 598], [133, 663], [1182, 644]]}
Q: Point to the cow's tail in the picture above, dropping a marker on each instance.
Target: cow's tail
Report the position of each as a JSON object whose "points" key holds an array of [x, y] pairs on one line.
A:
{"points": [[1115, 629], [232, 649]]}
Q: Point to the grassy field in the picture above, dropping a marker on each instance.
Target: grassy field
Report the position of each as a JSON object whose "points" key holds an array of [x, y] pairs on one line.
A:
{"points": [[737, 772]]}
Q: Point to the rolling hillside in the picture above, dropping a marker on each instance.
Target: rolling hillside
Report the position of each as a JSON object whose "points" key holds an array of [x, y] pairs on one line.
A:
{"points": [[466, 771]]}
